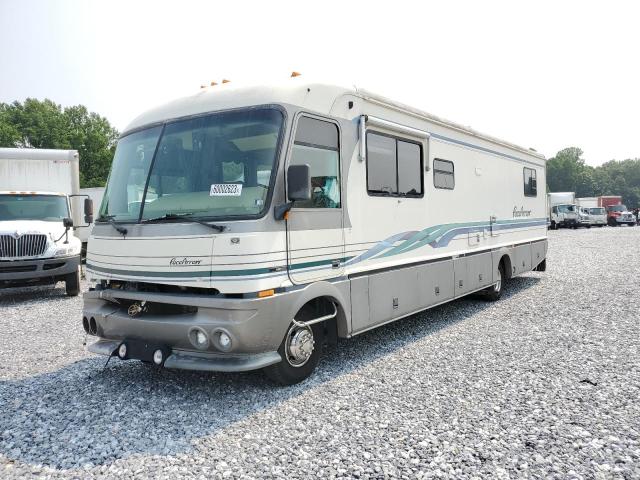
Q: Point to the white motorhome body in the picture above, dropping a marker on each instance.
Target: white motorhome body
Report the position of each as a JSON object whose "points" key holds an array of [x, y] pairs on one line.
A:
{"points": [[35, 189], [563, 211], [406, 211]]}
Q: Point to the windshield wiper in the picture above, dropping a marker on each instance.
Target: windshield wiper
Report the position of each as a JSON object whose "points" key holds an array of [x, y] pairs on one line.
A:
{"points": [[109, 219], [188, 217]]}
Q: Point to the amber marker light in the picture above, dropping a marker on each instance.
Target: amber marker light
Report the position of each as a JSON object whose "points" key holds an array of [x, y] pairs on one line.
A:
{"points": [[266, 293]]}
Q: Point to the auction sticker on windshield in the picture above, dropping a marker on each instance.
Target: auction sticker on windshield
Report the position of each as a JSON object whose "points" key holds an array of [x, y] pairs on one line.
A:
{"points": [[225, 190]]}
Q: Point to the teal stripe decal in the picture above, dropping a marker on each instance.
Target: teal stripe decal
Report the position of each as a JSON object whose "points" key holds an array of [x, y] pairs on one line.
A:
{"points": [[437, 236]]}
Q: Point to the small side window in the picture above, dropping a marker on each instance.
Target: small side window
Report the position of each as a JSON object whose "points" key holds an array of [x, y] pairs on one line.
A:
{"points": [[443, 174], [530, 182]]}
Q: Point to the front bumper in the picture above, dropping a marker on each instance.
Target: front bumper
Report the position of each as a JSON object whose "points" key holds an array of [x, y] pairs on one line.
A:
{"points": [[210, 362], [20, 271], [256, 326]]}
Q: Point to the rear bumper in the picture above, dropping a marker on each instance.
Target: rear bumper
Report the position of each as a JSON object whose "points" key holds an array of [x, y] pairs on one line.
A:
{"points": [[23, 271], [209, 362]]}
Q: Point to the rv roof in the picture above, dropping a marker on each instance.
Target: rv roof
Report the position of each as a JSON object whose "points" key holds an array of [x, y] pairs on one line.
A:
{"points": [[317, 97]]}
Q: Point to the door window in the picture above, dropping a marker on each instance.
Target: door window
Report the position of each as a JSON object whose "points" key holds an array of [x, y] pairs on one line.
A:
{"points": [[316, 144]]}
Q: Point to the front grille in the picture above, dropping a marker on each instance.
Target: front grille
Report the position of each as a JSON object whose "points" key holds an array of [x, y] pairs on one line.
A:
{"points": [[29, 245]]}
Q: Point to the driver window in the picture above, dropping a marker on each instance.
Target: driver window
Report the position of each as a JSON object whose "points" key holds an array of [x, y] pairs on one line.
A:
{"points": [[316, 144]]}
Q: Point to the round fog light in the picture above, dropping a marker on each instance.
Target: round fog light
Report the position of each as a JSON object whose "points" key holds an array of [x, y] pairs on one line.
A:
{"points": [[225, 340], [201, 338], [122, 351], [158, 357]]}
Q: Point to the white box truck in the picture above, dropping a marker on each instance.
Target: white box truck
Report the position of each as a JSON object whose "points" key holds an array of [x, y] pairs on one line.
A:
{"points": [[590, 206], [39, 214], [563, 211], [244, 227]]}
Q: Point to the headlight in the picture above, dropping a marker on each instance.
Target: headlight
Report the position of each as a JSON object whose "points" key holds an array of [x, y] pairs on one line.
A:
{"points": [[67, 250]]}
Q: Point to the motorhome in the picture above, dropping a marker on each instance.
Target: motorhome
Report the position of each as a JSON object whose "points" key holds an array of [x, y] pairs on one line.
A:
{"points": [[563, 211], [40, 215], [244, 227]]}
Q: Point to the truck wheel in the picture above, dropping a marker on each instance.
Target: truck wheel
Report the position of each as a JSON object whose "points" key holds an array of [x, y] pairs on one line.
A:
{"points": [[611, 222], [300, 351], [494, 292], [72, 283], [553, 225]]}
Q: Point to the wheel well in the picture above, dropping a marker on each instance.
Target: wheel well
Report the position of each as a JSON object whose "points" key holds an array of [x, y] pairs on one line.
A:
{"points": [[319, 306], [505, 261]]}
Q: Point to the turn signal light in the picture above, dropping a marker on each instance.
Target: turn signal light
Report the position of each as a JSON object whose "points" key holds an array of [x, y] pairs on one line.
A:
{"points": [[266, 293]]}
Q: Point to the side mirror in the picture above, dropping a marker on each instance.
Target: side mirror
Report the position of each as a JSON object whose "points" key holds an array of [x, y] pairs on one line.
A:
{"points": [[88, 210], [67, 222], [299, 182]]}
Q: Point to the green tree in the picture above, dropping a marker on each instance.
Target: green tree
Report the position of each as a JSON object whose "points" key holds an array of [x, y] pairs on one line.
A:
{"points": [[45, 124]]}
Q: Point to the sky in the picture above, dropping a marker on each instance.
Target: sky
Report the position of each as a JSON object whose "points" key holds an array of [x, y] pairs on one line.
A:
{"points": [[541, 74]]}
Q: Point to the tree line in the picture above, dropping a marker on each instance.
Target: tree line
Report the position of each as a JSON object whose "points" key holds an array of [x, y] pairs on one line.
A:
{"points": [[567, 172], [45, 124]]}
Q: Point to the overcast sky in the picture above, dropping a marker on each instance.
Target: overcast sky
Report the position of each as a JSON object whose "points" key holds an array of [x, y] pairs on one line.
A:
{"points": [[543, 74]]}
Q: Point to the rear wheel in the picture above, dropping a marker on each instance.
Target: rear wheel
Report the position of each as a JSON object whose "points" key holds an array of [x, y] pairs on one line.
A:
{"points": [[72, 283], [300, 351], [494, 292]]}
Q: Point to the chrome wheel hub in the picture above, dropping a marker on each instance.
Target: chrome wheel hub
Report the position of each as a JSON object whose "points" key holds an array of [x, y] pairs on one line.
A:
{"points": [[498, 284], [299, 345]]}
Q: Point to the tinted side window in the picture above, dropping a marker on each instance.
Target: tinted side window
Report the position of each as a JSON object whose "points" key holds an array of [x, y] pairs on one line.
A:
{"points": [[316, 144], [381, 164], [530, 182], [409, 168], [443, 174]]}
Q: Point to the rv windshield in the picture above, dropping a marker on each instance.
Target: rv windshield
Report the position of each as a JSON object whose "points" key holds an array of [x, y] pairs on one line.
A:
{"points": [[48, 208], [219, 165], [566, 208]]}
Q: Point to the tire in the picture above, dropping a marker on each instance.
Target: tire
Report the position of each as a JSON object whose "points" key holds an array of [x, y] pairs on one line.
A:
{"points": [[287, 372], [554, 225], [72, 283], [494, 292], [588, 226], [611, 222]]}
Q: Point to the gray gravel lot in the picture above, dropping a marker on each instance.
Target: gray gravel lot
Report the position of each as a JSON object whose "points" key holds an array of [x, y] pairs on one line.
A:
{"points": [[544, 383]]}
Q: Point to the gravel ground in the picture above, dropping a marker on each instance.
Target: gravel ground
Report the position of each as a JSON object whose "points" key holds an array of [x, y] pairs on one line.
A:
{"points": [[542, 384]]}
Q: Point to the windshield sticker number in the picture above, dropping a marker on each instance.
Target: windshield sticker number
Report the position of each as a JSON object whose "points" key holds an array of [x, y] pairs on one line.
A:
{"points": [[225, 190]]}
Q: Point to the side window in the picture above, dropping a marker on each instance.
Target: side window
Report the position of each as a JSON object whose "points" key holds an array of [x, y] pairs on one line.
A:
{"points": [[394, 166], [316, 144], [530, 182], [443, 174]]}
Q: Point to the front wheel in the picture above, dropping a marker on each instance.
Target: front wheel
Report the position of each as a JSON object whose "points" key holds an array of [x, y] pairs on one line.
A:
{"points": [[300, 351], [72, 283]]}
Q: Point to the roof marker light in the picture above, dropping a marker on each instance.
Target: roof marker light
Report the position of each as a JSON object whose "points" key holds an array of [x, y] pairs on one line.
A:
{"points": [[225, 80], [213, 84], [295, 74]]}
